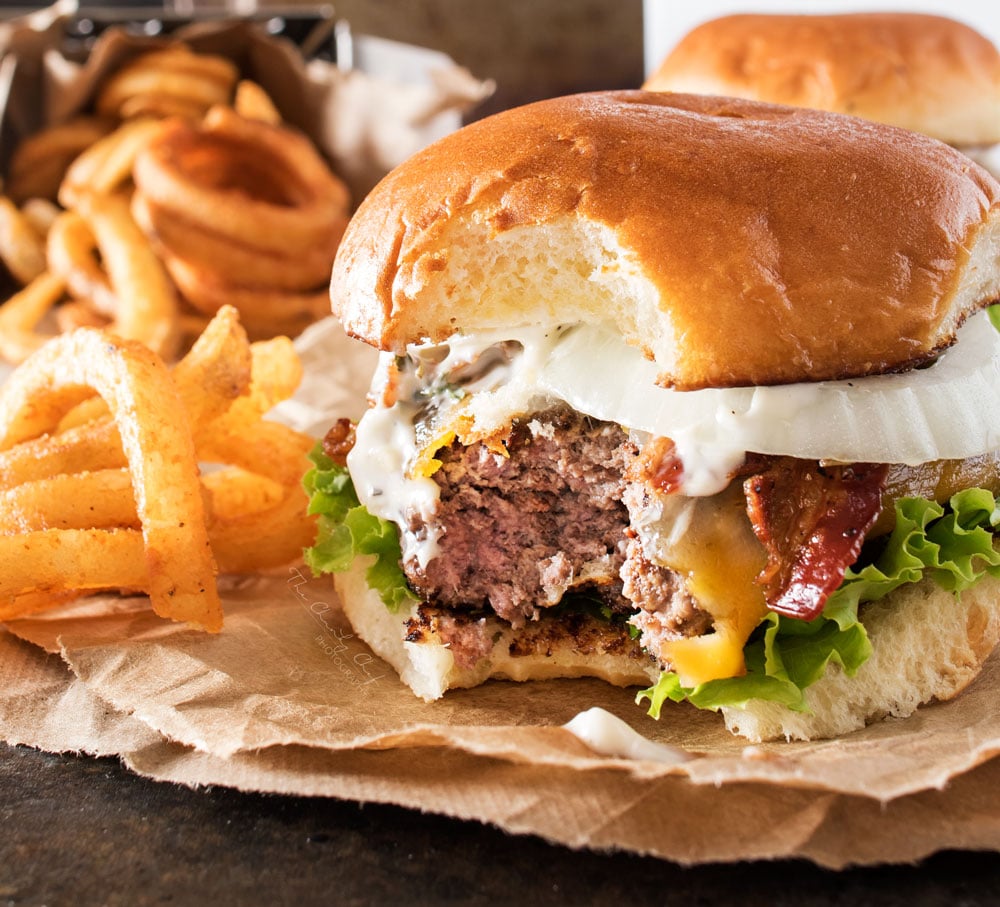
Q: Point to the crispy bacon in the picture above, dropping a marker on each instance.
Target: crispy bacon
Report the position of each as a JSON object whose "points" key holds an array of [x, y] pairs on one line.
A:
{"points": [[659, 466], [812, 522], [339, 440]]}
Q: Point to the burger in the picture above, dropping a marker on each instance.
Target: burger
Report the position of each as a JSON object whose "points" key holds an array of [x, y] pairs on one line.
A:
{"points": [[926, 73], [684, 392]]}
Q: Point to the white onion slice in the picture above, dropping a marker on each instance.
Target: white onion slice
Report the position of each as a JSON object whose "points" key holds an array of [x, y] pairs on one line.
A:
{"points": [[949, 410]]}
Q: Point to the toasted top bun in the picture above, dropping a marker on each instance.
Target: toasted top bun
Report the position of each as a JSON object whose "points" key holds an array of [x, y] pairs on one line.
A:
{"points": [[926, 73], [736, 243]]}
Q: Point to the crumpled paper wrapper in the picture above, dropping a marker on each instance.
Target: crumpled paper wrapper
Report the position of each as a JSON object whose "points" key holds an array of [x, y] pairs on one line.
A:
{"points": [[287, 699]]}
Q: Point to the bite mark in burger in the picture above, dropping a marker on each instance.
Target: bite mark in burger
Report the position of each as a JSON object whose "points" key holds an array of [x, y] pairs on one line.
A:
{"points": [[681, 391]]}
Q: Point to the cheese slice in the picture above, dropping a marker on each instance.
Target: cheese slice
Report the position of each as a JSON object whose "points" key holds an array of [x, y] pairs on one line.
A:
{"points": [[713, 546]]}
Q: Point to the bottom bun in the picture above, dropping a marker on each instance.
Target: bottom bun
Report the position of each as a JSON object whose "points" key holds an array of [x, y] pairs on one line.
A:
{"points": [[927, 644], [542, 650]]}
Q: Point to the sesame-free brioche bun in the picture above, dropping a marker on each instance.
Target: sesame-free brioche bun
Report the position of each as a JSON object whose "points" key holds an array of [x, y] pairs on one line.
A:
{"points": [[735, 242], [926, 73]]}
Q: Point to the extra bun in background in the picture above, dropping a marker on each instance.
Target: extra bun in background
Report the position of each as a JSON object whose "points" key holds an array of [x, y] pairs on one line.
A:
{"points": [[925, 73], [611, 325]]}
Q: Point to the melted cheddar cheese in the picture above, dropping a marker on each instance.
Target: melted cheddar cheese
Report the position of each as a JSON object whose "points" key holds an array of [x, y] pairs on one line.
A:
{"points": [[720, 558]]}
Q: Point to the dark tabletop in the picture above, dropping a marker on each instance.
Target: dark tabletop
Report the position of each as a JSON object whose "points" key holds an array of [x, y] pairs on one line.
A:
{"points": [[77, 830]]}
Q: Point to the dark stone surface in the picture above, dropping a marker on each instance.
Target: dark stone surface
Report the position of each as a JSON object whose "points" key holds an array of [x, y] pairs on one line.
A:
{"points": [[85, 831]]}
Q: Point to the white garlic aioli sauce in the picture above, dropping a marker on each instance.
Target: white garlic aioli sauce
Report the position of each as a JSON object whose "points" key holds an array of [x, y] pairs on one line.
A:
{"points": [[386, 442], [608, 735], [948, 410]]}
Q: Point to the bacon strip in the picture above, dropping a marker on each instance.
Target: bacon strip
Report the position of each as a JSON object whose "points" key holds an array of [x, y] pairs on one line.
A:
{"points": [[812, 522], [339, 440], [659, 466]]}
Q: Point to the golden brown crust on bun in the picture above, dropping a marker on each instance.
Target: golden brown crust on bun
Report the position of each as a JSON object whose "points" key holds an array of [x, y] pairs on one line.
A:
{"points": [[737, 243], [926, 73]]}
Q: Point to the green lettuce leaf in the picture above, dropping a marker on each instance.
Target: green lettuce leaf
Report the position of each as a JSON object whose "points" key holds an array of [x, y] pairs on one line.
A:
{"points": [[953, 546], [346, 529], [994, 314]]}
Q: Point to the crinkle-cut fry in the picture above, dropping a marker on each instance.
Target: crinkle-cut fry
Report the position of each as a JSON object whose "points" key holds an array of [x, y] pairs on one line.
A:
{"points": [[267, 448], [22, 250], [101, 499], [214, 372], [157, 443], [71, 250], [234, 491], [218, 369], [106, 166], [21, 314], [148, 304], [92, 410], [85, 447], [263, 539], [56, 561], [276, 373], [259, 495], [254, 103], [272, 537], [192, 324]]}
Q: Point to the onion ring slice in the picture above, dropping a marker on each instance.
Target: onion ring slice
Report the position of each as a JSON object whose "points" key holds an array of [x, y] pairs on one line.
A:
{"points": [[229, 261], [264, 313], [263, 186], [172, 73]]}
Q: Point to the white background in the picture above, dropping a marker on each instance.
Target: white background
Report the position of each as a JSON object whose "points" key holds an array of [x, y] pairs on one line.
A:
{"points": [[667, 21]]}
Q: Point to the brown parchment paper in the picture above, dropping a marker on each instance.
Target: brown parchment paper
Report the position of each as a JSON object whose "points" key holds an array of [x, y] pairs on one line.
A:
{"points": [[289, 671], [287, 699], [607, 808]]}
